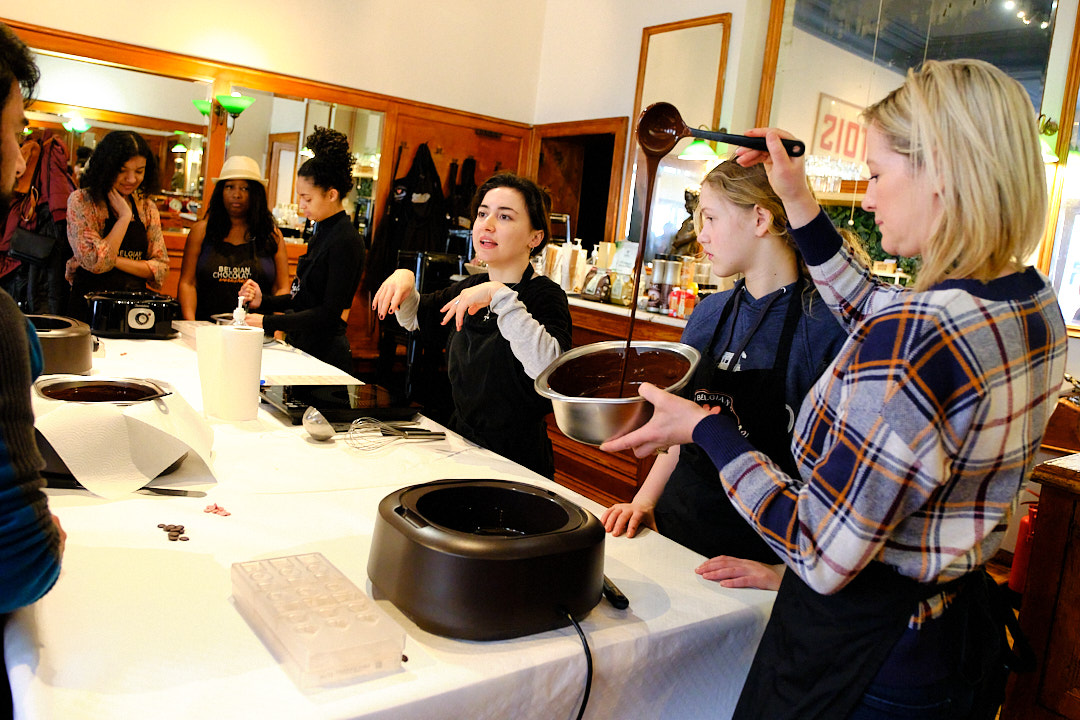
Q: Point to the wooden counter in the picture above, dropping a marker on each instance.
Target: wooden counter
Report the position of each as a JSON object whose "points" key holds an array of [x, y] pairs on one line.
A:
{"points": [[1050, 614], [175, 241], [604, 477]]}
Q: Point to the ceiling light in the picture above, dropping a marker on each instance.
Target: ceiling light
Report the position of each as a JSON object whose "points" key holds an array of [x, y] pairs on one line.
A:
{"points": [[233, 105], [76, 123], [698, 150]]}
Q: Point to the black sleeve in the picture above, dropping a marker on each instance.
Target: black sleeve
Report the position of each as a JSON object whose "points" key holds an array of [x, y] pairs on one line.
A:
{"points": [[339, 274], [546, 302], [429, 314]]}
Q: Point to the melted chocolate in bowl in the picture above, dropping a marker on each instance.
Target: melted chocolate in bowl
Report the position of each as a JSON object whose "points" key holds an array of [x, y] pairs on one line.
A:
{"points": [[597, 375], [91, 391]]}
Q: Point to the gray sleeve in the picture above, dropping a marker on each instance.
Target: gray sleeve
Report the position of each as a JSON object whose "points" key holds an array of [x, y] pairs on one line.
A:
{"points": [[530, 341], [406, 312]]}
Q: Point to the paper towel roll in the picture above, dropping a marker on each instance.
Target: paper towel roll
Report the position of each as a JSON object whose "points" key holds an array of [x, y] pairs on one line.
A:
{"points": [[230, 363]]}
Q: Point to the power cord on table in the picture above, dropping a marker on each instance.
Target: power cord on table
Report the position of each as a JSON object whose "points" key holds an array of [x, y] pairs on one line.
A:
{"points": [[588, 663]]}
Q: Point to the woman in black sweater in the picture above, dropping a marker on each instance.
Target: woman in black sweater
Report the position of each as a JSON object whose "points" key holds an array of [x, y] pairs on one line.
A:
{"points": [[501, 328], [313, 313]]}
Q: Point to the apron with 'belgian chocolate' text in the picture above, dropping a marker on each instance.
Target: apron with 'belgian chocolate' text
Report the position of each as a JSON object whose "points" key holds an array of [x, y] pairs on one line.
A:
{"points": [[134, 246], [694, 509]]}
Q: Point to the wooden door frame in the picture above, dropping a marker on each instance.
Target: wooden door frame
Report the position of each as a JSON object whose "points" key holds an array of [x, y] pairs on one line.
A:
{"points": [[275, 142], [616, 126]]}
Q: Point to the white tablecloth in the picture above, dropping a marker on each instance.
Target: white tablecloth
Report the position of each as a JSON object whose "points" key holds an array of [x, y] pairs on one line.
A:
{"points": [[138, 626]]}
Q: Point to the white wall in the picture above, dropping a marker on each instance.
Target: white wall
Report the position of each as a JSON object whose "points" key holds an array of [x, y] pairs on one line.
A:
{"points": [[481, 56], [525, 60], [589, 61]]}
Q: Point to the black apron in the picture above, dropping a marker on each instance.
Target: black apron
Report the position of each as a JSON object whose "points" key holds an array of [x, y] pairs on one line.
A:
{"points": [[694, 509], [222, 268], [509, 428], [820, 652], [134, 246], [329, 345]]}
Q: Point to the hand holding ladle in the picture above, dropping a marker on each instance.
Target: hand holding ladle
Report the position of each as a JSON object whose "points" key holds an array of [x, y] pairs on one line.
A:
{"points": [[660, 128]]}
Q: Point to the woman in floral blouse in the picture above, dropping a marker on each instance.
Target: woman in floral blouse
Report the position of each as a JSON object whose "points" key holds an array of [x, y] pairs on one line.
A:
{"points": [[113, 226]]}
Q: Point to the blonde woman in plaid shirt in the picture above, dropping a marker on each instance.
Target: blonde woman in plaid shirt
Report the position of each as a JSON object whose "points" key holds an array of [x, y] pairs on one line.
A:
{"points": [[912, 447]]}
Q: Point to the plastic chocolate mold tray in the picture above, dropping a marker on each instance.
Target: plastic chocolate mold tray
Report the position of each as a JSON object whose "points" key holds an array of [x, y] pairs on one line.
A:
{"points": [[320, 627]]}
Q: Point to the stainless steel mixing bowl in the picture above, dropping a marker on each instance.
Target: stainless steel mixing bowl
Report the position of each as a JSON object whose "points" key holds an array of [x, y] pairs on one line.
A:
{"points": [[595, 420]]}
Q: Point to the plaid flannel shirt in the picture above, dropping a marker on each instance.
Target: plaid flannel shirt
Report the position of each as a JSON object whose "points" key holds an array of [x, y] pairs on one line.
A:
{"points": [[913, 445]]}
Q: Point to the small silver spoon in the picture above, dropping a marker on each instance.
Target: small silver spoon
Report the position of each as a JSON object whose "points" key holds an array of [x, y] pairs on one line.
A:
{"points": [[317, 426]]}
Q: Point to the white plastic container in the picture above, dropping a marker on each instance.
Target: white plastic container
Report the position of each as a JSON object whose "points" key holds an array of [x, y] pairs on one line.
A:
{"points": [[318, 625]]}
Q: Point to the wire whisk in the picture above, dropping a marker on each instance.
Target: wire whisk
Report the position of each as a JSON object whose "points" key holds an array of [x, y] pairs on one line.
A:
{"points": [[368, 434]]}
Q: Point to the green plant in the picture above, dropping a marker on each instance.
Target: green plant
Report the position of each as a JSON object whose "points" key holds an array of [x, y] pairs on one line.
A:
{"points": [[862, 224]]}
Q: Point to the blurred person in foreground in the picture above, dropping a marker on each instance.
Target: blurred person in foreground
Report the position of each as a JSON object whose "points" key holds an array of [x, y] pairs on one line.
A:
{"points": [[31, 540]]}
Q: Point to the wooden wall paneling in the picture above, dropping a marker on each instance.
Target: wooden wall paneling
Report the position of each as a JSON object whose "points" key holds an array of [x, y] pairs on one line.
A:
{"points": [[1050, 692], [494, 146], [769, 62], [1061, 664], [560, 171], [606, 478]]}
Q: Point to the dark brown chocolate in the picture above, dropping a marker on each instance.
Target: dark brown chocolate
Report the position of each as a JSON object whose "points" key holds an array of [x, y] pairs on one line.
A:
{"points": [[91, 391], [597, 375]]}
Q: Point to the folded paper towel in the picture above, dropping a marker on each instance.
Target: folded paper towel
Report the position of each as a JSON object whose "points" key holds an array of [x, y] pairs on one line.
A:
{"points": [[113, 450]]}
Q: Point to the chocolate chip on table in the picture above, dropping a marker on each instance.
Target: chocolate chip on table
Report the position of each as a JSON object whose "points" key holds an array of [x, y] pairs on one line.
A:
{"points": [[175, 532]]}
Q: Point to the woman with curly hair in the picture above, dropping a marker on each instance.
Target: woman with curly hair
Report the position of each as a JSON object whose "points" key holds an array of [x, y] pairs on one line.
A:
{"points": [[314, 312], [236, 240], [113, 225]]}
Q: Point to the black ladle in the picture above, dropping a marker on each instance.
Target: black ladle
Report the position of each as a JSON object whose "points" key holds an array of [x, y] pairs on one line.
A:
{"points": [[661, 127]]}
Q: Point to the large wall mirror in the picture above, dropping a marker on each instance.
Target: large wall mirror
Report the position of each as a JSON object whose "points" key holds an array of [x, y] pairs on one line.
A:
{"points": [[682, 63], [116, 86], [82, 101], [838, 56], [826, 60], [272, 130]]}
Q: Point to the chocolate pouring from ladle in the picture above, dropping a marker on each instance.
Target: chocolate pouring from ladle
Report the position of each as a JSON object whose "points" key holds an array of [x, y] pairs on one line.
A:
{"points": [[659, 129], [661, 126]]}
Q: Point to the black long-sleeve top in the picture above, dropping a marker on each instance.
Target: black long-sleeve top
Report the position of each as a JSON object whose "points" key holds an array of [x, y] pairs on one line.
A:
{"points": [[326, 279]]}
